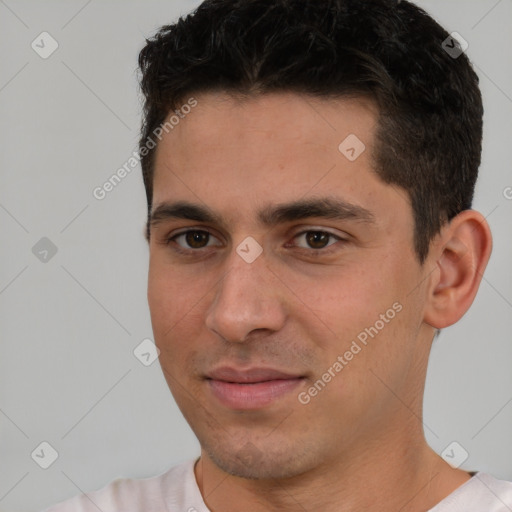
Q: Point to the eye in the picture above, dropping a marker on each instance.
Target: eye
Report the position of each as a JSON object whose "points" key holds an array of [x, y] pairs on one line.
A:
{"points": [[193, 238], [317, 239]]}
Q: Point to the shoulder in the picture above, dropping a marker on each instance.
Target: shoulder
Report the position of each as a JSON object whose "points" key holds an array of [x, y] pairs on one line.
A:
{"points": [[176, 487], [481, 492]]}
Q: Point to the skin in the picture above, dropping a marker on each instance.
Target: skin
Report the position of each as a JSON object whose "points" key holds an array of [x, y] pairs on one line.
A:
{"points": [[359, 443]]}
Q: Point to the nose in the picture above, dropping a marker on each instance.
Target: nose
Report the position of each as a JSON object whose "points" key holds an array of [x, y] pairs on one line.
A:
{"points": [[248, 298]]}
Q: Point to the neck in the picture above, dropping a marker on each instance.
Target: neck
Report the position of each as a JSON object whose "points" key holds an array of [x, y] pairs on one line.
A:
{"points": [[390, 473]]}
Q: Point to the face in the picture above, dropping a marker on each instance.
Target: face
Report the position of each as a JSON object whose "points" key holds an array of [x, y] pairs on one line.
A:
{"points": [[283, 328]]}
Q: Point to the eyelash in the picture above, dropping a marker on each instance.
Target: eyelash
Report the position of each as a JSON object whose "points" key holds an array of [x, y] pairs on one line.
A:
{"points": [[190, 252]]}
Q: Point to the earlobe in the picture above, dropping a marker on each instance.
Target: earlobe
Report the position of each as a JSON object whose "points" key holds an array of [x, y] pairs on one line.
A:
{"points": [[466, 244]]}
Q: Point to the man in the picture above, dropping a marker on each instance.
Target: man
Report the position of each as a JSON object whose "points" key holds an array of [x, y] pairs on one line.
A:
{"points": [[309, 170]]}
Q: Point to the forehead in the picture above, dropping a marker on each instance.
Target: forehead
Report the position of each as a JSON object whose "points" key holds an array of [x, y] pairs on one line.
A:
{"points": [[284, 115], [233, 154]]}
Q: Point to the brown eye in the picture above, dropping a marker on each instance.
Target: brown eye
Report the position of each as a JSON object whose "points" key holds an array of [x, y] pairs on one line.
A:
{"points": [[197, 239], [317, 239], [192, 240]]}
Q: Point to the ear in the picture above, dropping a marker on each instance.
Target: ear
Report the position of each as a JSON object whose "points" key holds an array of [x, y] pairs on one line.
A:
{"points": [[460, 256]]}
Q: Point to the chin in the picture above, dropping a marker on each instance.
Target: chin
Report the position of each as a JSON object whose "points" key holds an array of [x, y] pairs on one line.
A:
{"points": [[254, 464]]}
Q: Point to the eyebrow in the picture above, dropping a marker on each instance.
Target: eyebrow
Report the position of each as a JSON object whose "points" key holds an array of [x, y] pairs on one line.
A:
{"points": [[270, 215]]}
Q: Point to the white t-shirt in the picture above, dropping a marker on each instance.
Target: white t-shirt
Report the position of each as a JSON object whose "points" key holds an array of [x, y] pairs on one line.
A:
{"points": [[176, 490]]}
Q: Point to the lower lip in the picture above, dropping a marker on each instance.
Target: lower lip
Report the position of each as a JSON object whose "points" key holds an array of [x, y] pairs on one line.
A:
{"points": [[252, 396]]}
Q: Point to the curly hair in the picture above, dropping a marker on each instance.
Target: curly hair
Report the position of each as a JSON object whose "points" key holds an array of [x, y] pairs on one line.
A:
{"points": [[428, 137]]}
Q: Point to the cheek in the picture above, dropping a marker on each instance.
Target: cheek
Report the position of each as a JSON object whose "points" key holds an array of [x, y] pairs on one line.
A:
{"points": [[176, 304], [169, 290], [342, 302], [167, 301], [365, 313], [160, 293]]}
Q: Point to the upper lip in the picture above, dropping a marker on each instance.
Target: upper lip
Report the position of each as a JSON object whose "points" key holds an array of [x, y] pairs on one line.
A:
{"points": [[250, 375]]}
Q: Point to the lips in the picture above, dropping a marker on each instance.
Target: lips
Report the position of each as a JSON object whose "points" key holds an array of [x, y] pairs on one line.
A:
{"points": [[249, 376], [252, 388]]}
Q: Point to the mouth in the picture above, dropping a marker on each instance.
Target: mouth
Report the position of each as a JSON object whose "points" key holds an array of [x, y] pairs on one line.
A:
{"points": [[253, 388]]}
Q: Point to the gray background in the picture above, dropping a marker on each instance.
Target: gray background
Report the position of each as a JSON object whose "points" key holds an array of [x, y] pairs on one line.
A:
{"points": [[68, 326]]}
